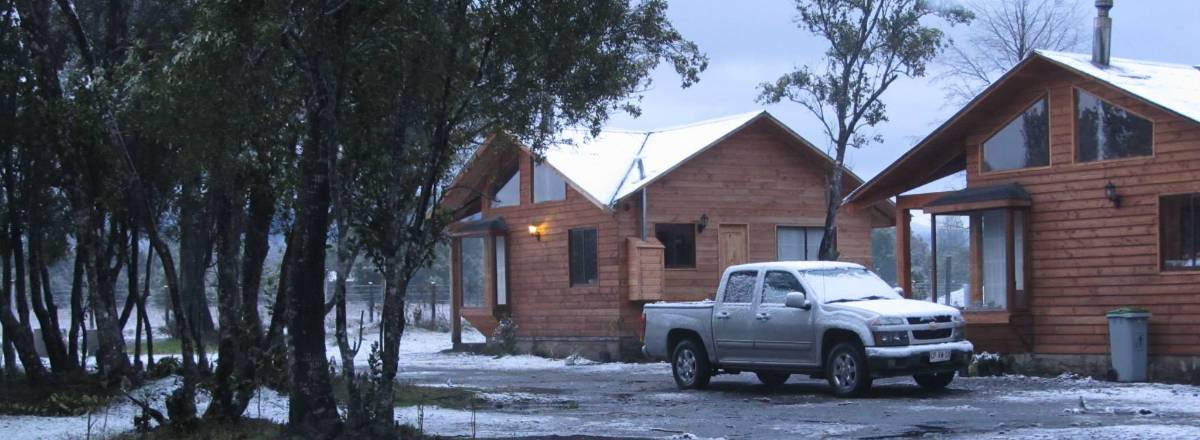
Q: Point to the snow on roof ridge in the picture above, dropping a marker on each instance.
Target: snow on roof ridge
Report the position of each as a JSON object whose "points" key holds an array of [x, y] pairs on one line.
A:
{"points": [[1114, 60]]}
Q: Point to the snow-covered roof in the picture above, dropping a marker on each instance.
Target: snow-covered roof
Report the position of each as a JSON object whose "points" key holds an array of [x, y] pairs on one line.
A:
{"points": [[799, 265], [1174, 87], [605, 167]]}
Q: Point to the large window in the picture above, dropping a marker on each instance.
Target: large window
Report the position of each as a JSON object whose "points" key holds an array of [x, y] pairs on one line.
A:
{"points": [[776, 286], [582, 249], [679, 241], [1179, 231], [740, 287], [510, 193], [1104, 131], [1023, 143], [473, 268], [795, 243], [548, 185]]}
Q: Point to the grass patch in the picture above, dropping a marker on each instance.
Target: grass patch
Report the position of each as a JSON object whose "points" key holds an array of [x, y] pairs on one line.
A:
{"points": [[245, 429], [60, 395], [407, 394]]}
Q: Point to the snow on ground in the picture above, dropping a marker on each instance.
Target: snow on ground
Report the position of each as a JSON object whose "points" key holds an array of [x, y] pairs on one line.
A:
{"points": [[1118, 432], [1115, 398]]}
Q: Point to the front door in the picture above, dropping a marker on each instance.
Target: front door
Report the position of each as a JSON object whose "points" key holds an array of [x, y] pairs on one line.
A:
{"points": [[733, 243], [733, 318], [782, 335]]}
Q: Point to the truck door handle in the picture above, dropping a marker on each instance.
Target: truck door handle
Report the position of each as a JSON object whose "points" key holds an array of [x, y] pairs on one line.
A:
{"points": [[763, 316], [723, 315]]}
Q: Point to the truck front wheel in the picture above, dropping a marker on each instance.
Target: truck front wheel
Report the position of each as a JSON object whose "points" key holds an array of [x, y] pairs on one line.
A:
{"points": [[690, 366], [847, 371]]}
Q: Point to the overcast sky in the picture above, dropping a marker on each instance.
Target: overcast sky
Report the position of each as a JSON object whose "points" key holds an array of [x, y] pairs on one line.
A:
{"points": [[752, 41]]}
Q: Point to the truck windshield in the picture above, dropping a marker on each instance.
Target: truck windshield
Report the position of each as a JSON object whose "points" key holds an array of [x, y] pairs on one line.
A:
{"points": [[849, 284]]}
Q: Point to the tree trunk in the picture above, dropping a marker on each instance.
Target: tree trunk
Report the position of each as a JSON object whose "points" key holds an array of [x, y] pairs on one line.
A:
{"points": [[828, 250], [312, 409], [347, 253], [255, 246], [227, 213], [392, 325], [77, 321], [195, 246], [131, 300], [20, 336], [43, 307], [143, 316]]}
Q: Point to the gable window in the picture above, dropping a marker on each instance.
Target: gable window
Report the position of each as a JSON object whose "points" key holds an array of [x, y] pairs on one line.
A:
{"points": [[510, 193], [581, 248], [679, 241], [548, 185], [1179, 231], [1104, 131], [740, 287], [1023, 143], [798, 244]]}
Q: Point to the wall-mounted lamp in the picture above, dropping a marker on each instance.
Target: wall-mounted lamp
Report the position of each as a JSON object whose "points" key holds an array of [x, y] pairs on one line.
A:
{"points": [[702, 224], [536, 231], [1110, 192]]}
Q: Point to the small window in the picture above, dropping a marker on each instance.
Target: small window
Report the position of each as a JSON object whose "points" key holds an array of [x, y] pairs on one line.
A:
{"points": [[679, 239], [548, 185], [798, 244], [776, 286], [510, 193], [1023, 143], [1179, 231], [1104, 131], [473, 271], [740, 287], [582, 249]]}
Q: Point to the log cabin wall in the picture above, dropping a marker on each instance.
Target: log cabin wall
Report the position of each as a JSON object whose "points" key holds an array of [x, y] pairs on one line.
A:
{"points": [[1087, 256], [541, 300], [760, 177]]}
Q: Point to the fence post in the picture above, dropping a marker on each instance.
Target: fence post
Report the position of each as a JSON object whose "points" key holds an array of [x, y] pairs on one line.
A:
{"points": [[432, 304]]}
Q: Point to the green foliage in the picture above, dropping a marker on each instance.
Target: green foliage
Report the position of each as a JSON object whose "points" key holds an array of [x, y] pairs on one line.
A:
{"points": [[63, 395]]}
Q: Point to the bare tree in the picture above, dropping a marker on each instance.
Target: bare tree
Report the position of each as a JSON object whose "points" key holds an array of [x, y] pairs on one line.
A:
{"points": [[872, 43], [1004, 33]]}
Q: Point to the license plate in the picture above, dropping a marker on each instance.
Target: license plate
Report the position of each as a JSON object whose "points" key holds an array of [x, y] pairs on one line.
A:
{"points": [[939, 356]]}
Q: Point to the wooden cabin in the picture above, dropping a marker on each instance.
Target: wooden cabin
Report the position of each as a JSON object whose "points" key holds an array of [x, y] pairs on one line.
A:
{"points": [[1082, 196], [571, 246]]}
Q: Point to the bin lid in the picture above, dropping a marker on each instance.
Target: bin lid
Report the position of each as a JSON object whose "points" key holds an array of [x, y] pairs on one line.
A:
{"points": [[1129, 314]]}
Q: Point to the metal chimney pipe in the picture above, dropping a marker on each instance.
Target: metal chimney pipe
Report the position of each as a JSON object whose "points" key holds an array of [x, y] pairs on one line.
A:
{"points": [[1102, 38]]}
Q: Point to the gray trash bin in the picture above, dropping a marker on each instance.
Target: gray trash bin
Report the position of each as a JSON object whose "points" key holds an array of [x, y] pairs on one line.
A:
{"points": [[1128, 343]]}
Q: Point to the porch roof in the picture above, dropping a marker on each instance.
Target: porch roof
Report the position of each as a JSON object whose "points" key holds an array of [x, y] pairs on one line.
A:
{"points": [[471, 227], [983, 197]]}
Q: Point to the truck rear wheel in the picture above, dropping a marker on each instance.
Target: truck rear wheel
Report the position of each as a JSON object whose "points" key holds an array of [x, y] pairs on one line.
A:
{"points": [[847, 370], [772, 378], [934, 382], [689, 365]]}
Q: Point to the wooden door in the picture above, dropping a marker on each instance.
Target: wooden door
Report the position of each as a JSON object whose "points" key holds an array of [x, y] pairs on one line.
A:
{"points": [[733, 241]]}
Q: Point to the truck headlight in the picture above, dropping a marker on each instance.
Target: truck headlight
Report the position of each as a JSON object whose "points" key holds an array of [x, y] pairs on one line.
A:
{"points": [[957, 318], [891, 339], [888, 320], [959, 333]]}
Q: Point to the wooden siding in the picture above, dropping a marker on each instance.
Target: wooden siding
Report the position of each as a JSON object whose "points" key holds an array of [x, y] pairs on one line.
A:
{"points": [[759, 177], [541, 299], [1087, 256]]}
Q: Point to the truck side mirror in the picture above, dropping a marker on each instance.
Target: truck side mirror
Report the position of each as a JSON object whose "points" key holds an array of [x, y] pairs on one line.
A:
{"points": [[797, 300]]}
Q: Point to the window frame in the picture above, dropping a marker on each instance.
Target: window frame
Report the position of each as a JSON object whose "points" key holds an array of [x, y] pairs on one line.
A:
{"points": [[1158, 232], [1012, 118], [533, 186], [667, 266], [595, 257], [805, 227], [1075, 130], [762, 296], [754, 287], [515, 177]]}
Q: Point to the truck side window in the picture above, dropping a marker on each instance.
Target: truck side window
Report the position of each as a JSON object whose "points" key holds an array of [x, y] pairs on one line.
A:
{"points": [[777, 285], [740, 287]]}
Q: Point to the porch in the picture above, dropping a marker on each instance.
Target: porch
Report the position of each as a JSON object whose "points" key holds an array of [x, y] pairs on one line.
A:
{"points": [[978, 260]]}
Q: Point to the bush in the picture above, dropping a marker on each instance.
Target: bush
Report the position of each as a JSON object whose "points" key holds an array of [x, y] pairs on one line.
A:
{"points": [[987, 364], [504, 338]]}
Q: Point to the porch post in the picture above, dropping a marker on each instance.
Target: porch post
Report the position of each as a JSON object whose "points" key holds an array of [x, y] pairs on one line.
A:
{"points": [[903, 255], [456, 292], [933, 257]]}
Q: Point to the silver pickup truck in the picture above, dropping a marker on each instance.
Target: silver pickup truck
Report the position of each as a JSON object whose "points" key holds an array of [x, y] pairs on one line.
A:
{"points": [[825, 319]]}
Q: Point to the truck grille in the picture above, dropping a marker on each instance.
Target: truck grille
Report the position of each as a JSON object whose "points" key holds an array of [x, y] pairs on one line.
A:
{"points": [[932, 334], [926, 320]]}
